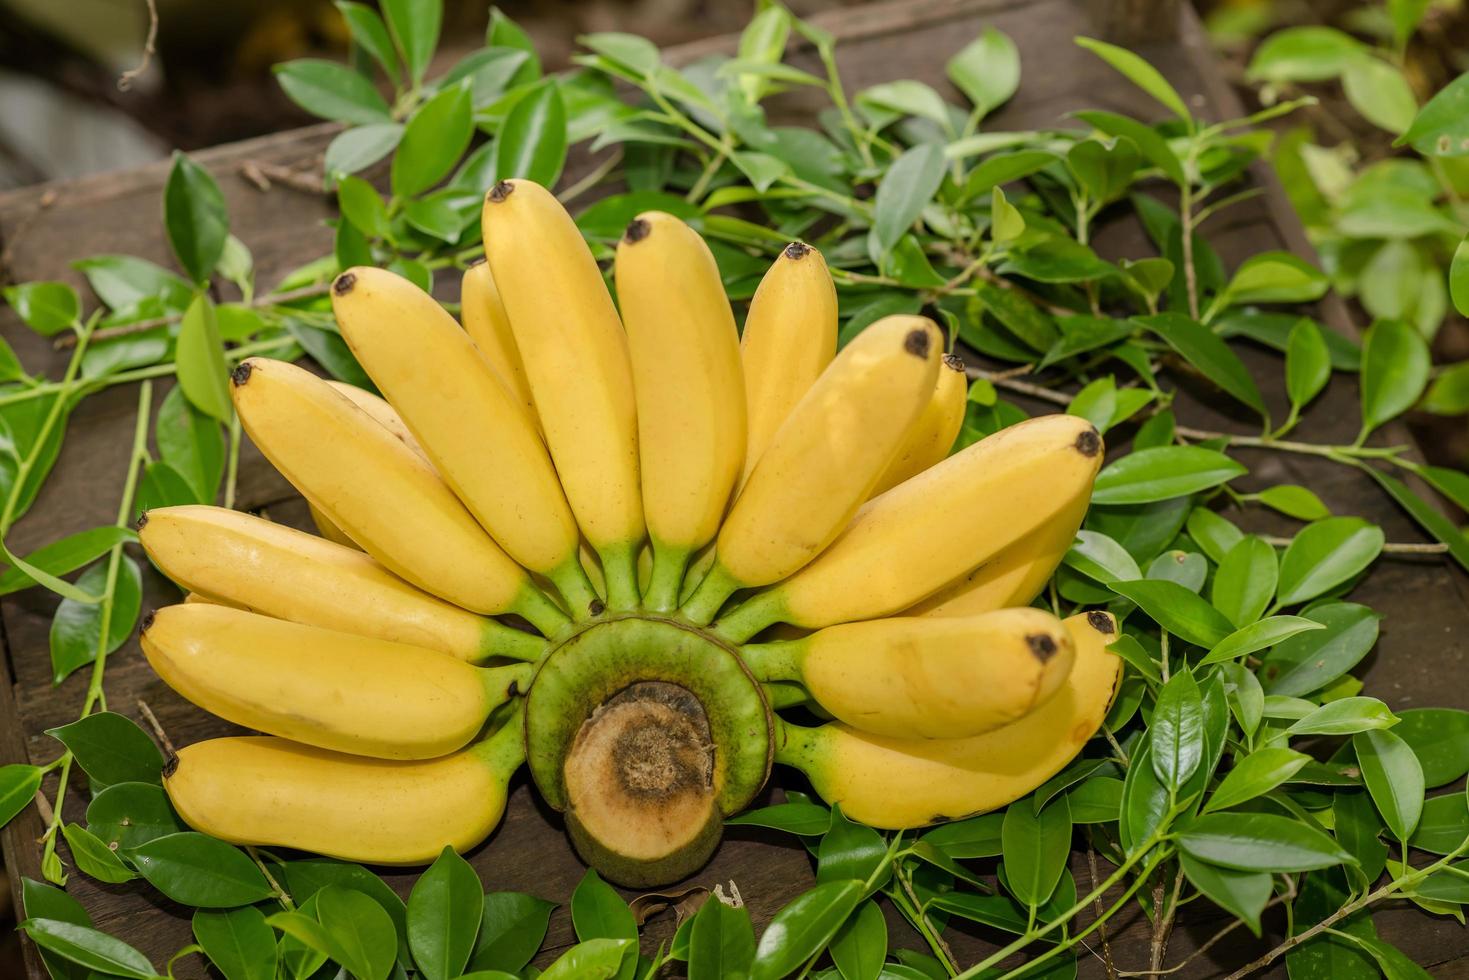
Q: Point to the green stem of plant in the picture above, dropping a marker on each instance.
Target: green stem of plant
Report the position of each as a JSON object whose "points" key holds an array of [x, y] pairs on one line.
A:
{"points": [[907, 902], [232, 471]]}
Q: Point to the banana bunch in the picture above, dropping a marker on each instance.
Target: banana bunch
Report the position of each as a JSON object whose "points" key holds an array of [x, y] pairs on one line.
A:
{"points": [[607, 541]]}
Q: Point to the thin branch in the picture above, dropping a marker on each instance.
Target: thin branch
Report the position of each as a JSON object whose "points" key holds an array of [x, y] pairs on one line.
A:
{"points": [[125, 80], [1108, 965], [1390, 548], [263, 175], [152, 720], [1002, 379], [143, 326], [1213, 940]]}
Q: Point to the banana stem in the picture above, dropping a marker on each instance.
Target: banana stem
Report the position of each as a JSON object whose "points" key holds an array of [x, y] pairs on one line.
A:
{"points": [[669, 565], [503, 684], [710, 596], [744, 621], [576, 589], [507, 641], [538, 609], [620, 570], [784, 694], [504, 750], [777, 661]]}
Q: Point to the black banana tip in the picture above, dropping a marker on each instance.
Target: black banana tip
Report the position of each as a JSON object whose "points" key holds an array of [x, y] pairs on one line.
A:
{"points": [[1101, 622], [142, 521], [954, 362], [797, 250], [596, 607], [1042, 646], [147, 622], [501, 190], [637, 229], [1089, 443], [170, 765], [917, 343], [343, 284], [241, 374]]}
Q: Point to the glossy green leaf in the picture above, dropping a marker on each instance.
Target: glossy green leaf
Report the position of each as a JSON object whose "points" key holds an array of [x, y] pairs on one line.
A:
{"points": [[361, 204], [1381, 93], [111, 749], [1326, 554], [1443, 824], [1163, 473], [1035, 847], [76, 627], [1395, 366], [1428, 516], [987, 71], [89, 948], [46, 307], [361, 935], [1310, 661], [1459, 277], [1255, 775], [1244, 582], [444, 913], [331, 91], [435, 138], [860, 946], [1154, 147], [975, 837], [239, 943], [1097, 800], [1345, 716], [1303, 54], [1243, 894], [1177, 732], [1178, 610], [511, 930], [1260, 842], [414, 25], [802, 819], [1358, 826], [803, 927], [1441, 127], [1144, 799], [1448, 392], [597, 912], [907, 187], [721, 943], [1307, 363], [1276, 277], [129, 814], [1186, 568], [1439, 737], [94, 858], [593, 959], [192, 443], [848, 850], [1140, 73], [200, 871], [532, 142], [163, 486], [200, 360], [1258, 636], [194, 217], [66, 555], [1294, 501], [1393, 777], [1215, 534], [18, 785], [354, 150], [1006, 221]]}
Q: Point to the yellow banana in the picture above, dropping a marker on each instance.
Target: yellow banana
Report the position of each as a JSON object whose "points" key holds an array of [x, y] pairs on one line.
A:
{"points": [[380, 492], [1017, 574], [924, 533], [896, 783], [926, 678], [344, 806], [691, 402], [790, 337], [384, 413], [234, 559], [576, 359], [488, 325], [333, 690], [474, 431], [824, 460], [933, 433]]}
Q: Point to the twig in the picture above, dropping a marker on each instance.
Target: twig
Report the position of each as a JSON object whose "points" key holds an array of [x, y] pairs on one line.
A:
{"points": [[261, 174], [152, 720], [1107, 964], [592, 179], [143, 326], [1002, 379], [1213, 940], [125, 80], [1390, 548], [1163, 930], [280, 893]]}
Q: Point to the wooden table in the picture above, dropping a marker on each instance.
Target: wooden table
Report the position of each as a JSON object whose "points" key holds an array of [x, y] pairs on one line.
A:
{"points": [[1418, 662]]}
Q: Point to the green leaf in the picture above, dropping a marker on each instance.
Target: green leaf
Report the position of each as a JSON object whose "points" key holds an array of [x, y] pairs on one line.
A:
{"points": [[18, 785], [803, 927], [94, 857], [1327, 955], [1243, 894], [1141, 74], [1096, 403], [1448, 394], [192, 443], [1177, 731], [1439, 737], [1162, 474], [595, 959], [201, 871], [975, 837], [1444, 824], [1016, 314], [1441, 128], [986, 70], [1393, 777], [1098, 800], [1307, 363], [1244, 695], [637, 55], [904, 97], [163, 486], [1310, 661], [598, 912], [532, 141], [415, 25], [1177, 610], [1006, 221], [46, 307], [1144, 799], [1035, 847], [511, 930], [1154, 147], [1002, 168], [332, 91], [1395, 366], [129, 814], [435, 138], [1244, 582], [1203, 348], [848, 850], [1260, 842], [1394, 963], [1276, 277], [1357, 826], [859, 947], [66, 555], [1345, 716], [1294, 501], [1303, 54], [360, 933], [308, 876], [762, 45], [1380, 93], [361, 204], [1258, 636], [111, 749], [200, 361], [503, 32], [1428, 516], [239, 942], [1215, 535], [371, 35], [721, 940], [89, 948], [907, 187], [1458, 277], [354, 150], [444, 913], [802, 819], [195, 218], [1255, 775], [1326, 554], [1104, 172]]}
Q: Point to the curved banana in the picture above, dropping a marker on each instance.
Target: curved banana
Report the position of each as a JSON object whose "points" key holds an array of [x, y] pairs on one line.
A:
{"points": [[576, 359], [476, 433], [790, 337], [926, 532], [344, 806], [384, 413], [1014, 576], [380, 492], [896, 783], [488, 325], [691, 402], [333, 690], [228, 557], [825, 459], [926, 678], [934, 431]]}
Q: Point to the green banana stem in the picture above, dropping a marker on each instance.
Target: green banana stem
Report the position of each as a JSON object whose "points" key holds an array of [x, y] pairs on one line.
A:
{"points": [[504, 750], [538, 609], [507, 641], [785, 694], [710, 596], [576, 589], [777, 661], [620, 569], [749, 618], [506, 683], [669, 565]]}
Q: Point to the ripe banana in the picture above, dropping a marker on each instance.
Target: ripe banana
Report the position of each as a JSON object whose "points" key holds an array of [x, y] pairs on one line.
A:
{"points": [[488, 325], [344, 806], [333, 690], [576, 359], [897, 783], [380, 492], [234, 559], [825, 459], [790, 337], [691, 402], [926, 678], [384, 413], [1016, 575], [933, 433], [475, 432], [926, 532]]}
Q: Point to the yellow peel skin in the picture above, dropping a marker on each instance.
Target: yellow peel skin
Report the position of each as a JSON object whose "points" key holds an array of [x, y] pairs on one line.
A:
{"points": [[691, 399], [229, 557], [825, 459], [934, 431], [922, 534], [927, 678], [386, 415], [790, 337], [474, 431], [379, 492], [488, 325], [333, 690], [343, 806], [1017, 574], [897, 783], [576, 359]]}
